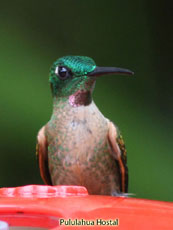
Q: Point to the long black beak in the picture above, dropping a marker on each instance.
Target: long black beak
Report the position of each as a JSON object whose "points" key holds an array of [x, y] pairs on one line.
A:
{"points": [[98, 71]]}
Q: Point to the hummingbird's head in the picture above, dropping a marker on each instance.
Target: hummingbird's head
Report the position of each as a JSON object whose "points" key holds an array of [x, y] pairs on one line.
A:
{"points": [[71, 74]]}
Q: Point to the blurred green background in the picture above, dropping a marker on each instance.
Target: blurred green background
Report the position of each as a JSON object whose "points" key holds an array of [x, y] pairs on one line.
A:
{"points": [[133, 34]]}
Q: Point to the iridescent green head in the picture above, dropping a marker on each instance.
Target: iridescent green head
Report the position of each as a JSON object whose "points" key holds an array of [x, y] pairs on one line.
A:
{"points": [[70, 74]]}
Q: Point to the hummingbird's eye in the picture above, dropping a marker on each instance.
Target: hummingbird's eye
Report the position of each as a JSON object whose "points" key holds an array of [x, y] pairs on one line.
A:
{"points": [[62, 72]]}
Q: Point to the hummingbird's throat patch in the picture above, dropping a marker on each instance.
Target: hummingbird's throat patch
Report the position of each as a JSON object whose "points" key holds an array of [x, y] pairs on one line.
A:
{"points": [[81, 97]]}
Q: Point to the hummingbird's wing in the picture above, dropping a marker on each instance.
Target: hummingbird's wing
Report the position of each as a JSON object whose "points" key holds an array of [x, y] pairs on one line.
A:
{"points": [[119, 152], [41, 153]]}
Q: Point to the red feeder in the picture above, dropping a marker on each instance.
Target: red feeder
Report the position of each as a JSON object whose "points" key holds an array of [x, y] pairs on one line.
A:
{"points": [[70, 207]]}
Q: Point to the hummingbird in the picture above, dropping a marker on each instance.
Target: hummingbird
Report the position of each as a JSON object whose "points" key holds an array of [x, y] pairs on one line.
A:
{"points": [[78, 145]]}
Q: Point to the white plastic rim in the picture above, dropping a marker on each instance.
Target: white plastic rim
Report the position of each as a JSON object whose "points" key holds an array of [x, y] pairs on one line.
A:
{"points": [[4, 225]]}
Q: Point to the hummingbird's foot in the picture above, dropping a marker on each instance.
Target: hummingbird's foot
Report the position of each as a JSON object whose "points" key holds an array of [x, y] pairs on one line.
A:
{"points": [[122, 194]]}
